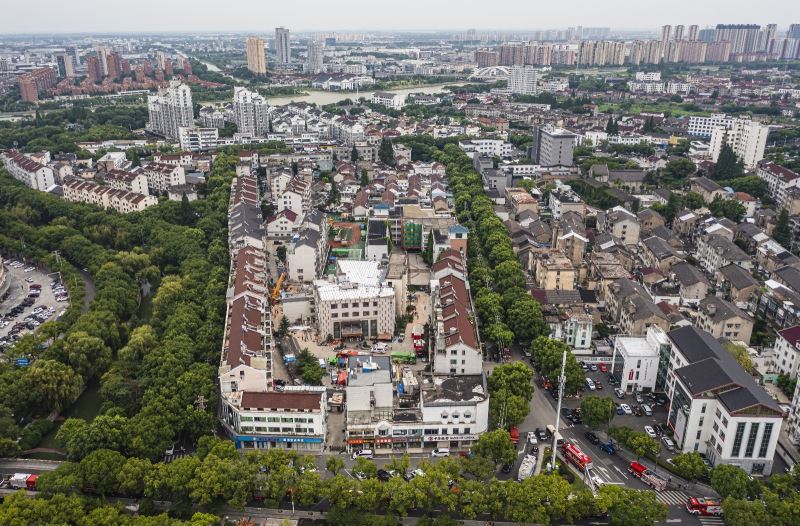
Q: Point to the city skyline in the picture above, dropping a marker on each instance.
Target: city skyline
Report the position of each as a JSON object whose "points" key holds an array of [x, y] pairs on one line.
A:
{"points": [[195, 17]]}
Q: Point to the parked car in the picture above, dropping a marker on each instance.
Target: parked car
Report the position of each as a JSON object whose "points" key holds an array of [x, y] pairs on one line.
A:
{"points": [[598, 385], [360, 475], [591, 437], [668, 443], [637, 410], [603, 368], [650, 432], [619, 410], [541, 434], [441, 452], [620, 393], [507, 468], [532, 438], [383, 475], [626, 409], [363, 453], [658, 429], [638, 398], [593, 367]]}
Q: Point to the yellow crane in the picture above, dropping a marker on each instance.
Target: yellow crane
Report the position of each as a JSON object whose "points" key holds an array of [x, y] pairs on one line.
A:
{"points": [[276, 292]]}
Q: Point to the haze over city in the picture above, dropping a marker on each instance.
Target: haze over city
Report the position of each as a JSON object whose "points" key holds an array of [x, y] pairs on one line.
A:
{"points": [[54, 16]]}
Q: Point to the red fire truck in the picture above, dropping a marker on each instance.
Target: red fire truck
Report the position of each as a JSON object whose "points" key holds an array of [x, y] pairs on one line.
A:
{"points": [[704, 506], [417, 336], [574, 455], [651, 478]]}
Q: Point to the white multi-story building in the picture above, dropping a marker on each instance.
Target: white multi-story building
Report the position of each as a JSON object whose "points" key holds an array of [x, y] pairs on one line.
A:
{"points": [[29, 172], [283, 52], [295, 196], [197, 139], [787, 351], [716, 407], [78, 191], [250, 112], [635, 360], [128, 181], [648, 76], [162, 176], [747, 139], [705, 126], [307, 252], [390, 100], [486, 147], [316, 54], [357, 303], [646, 87], [170, 109], [779, 181], [456, 349], [523, 80], [577, 330]]}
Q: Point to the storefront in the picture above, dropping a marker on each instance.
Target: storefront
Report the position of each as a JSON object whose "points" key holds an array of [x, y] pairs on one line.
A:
{"points": [[273, 442]]}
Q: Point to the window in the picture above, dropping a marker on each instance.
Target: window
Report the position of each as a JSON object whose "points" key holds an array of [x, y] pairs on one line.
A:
{"points": [[751, 440], [765, 440], [698, 435], [718, 413], [737, 439], [700, 422]]}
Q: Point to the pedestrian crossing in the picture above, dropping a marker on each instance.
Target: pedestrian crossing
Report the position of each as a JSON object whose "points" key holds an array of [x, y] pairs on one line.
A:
{"points": [[711, 521], [672, 498]]}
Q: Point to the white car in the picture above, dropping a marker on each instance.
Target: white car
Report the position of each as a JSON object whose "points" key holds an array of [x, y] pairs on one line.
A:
{"points": [[441, 452], [360, 475], [626, 409], [30, 269], [668, 443], [29, 280], [532, 438], [650, 432]]}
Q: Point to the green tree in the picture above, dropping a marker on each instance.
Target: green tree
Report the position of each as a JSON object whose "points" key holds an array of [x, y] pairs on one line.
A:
{"points": [[281, 253], [630, 507], [53, 384], [507, 409], [99, 471], [643, 445], [496, 446], [739, 352], [596, 411], [364, 181], [354, 155], [781, 233], [334, 464], [728, 164], [514, 378], [743, 512], [386, 152], [365, 466], [678, 170], [526, 321], [689, 466], [729, 208], [730, 481]]}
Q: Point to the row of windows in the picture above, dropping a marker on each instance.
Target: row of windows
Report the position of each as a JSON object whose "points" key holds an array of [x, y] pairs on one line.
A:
{"points": [[354, 314], [284, 420], [355, 305]]}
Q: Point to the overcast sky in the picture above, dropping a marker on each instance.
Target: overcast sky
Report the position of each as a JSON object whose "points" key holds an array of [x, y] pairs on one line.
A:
{"points": [[262, 16]]}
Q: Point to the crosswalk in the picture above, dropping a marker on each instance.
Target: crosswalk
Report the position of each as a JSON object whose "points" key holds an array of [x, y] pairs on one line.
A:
{"points": [[672, 498], [711, 521]]}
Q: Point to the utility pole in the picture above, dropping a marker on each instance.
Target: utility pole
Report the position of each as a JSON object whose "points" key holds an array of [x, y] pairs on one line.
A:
{"points": [[561, 382]]}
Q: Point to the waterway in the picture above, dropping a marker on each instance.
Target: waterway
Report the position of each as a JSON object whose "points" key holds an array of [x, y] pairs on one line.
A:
{"points": [[321, 98]]}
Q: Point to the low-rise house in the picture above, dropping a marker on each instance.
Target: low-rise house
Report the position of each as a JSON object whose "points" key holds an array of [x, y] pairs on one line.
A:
{"points": [[685, 223], [715, 252], [162, 176], [281, 224], [554, 271], [657, 253], [693, 284], [128, 181], [736, 283], [723, 319], [649, 219], [106, 197], [29, 172], [707, 188], [620, 223]]}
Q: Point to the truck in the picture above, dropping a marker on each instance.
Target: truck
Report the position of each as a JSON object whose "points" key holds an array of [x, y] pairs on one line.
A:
{"points": [[418, 338], [704, 506], [513, 432], [23, 481], [526, 467], [651, 478], [576, 456], [608, 447]]}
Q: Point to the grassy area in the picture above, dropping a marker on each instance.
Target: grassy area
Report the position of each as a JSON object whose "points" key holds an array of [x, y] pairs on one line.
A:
{"points": [[86, 407], [674, 108]]}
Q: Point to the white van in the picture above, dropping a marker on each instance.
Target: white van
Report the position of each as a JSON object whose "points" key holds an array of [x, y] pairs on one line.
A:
{"points": [[647, 410], [441, 452], [590, 384], [363, 453]]}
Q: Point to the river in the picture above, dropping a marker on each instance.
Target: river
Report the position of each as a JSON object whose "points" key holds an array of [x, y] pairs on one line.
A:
{"points": [[321, 98]]}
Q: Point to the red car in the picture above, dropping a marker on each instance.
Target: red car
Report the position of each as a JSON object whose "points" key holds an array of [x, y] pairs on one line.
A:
{"points": [[603, 368]]}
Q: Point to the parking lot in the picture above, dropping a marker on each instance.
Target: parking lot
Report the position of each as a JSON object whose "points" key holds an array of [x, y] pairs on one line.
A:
{"points": [[33, 298]]}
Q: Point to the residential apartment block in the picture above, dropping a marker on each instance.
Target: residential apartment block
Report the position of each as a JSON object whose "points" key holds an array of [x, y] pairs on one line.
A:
{"points": [[27, 171], [106, 197]]}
